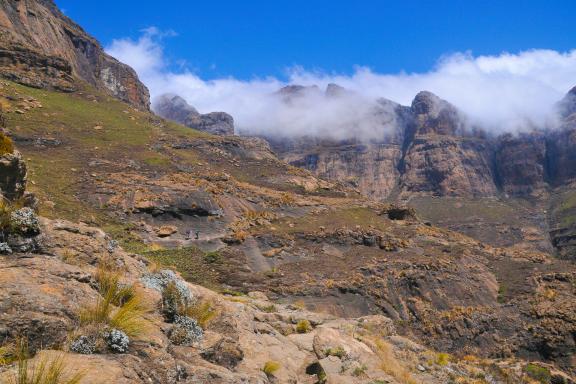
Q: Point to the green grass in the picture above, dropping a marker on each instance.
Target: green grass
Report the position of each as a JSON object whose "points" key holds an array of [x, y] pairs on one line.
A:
{"points": [[107, 129], [538, 373], [194, 265], [334, 219]]}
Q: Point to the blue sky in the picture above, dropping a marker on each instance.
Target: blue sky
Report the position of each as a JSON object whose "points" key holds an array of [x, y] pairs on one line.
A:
{"points": [[244, 39]]}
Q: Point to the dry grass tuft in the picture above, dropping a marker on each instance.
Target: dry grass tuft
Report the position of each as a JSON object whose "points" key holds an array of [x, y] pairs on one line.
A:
{"points": [[119, 306], [389, 363], [203, 312], [46, 370], [271, 367]]}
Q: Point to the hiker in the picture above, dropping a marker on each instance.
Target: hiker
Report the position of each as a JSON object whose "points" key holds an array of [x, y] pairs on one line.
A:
{"points": [[197, 234]]}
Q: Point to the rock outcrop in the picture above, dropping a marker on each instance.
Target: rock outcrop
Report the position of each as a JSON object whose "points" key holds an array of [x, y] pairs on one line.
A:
{"points": [[13, 176], [42, 48], [175, 108]]}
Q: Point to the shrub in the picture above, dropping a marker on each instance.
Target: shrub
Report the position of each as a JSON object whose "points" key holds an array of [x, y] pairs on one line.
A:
{"points": [[271, 367], [212, 257], [85, 345], [359, 371], [442, 359], [3, 122], [24, 221], [47, 370], [159, 281], [173, 304], [117, 341], [303, 326], [186, 331], [269, 308], [537, 372], [6, 144], [338, 352]]}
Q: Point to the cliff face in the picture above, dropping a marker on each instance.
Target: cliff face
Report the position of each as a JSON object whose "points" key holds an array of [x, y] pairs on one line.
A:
{"points": [[41, 47], [435, 152]]}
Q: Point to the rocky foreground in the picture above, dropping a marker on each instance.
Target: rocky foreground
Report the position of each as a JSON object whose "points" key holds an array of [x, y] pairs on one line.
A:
{"points": [[246, 339]]}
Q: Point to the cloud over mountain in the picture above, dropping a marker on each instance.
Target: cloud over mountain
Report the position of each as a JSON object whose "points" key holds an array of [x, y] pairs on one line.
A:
{"points": [[503, 93]]}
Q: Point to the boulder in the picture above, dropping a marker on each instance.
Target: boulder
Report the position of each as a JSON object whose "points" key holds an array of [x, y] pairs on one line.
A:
{"points": [[12, 175]]}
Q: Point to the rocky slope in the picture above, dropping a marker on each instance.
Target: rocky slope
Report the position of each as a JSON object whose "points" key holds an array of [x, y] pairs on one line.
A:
{"points": [[41, 47], [290, 277], [229, 215]]}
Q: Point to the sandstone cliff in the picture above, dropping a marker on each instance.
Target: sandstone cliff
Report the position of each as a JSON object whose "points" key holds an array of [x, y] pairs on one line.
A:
{"points": [[41, 47]]}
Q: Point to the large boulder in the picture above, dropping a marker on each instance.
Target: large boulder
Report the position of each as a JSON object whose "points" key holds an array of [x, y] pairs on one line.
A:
{"points": [[12, 175]]}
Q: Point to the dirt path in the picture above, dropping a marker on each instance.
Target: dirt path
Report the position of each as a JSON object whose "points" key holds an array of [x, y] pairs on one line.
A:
{"points": [[256, 261]]}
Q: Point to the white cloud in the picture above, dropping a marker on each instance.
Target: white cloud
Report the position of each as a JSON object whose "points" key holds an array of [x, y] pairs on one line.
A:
{"points": [[499, 92]]}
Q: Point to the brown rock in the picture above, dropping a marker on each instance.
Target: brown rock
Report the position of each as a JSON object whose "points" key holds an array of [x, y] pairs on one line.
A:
{"points": [[166, 230], [43, 48]]}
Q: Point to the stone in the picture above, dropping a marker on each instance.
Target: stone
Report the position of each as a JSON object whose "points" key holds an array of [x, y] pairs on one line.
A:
{"points": [[166, 230], [13, 175]]}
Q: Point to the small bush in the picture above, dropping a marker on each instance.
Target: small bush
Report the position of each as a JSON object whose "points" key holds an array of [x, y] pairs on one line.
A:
{"points": [[442, 359], [269, 308], [186, 331], [6, 144], [271, 367], [212, 257], [159, 281], [338, 352], [117, 341], [303, 326], [537, 372], [173, 304], [3, 120], [24, 221], [45, 371], [84, 345], [359, 371]]}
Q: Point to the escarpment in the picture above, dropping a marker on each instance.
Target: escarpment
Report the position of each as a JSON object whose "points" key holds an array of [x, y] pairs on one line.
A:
{"points": [[42, 48]]}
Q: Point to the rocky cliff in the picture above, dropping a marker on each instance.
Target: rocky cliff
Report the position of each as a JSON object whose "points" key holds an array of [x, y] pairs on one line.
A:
{"points": [[41, 47], [175, 108]]}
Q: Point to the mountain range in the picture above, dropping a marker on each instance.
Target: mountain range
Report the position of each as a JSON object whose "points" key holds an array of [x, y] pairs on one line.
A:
{"points": [[166, 246]]}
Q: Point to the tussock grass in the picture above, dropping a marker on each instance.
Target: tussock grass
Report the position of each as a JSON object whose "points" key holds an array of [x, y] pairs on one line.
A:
{"points": [[7, 354], [119, 306], [109, 283], [303, 326], [203, 312], [389, 363], [270, 367], [6, 144], [47, 370]]}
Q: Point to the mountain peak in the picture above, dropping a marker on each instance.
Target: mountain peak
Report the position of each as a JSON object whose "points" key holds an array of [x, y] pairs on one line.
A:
{"points": [[50, 51]]}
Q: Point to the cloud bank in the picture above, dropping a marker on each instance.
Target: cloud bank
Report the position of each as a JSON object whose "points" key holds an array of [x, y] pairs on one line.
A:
{"points": [[504, 93]]}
